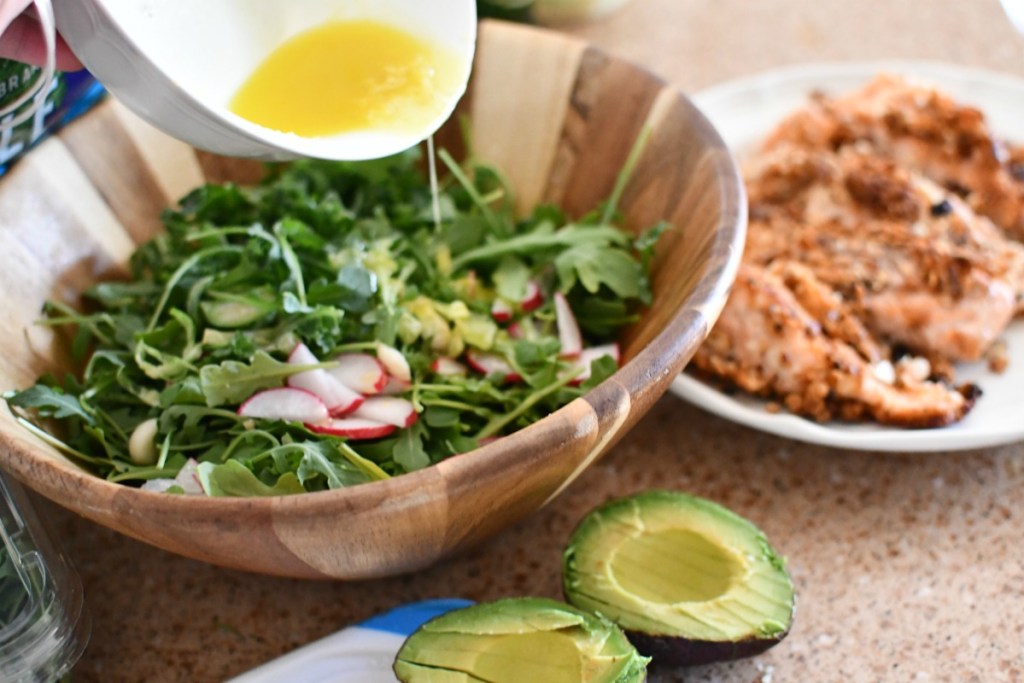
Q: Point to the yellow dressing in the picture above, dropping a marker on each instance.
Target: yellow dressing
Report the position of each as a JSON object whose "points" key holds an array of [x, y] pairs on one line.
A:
{"points": [[350, 76]]}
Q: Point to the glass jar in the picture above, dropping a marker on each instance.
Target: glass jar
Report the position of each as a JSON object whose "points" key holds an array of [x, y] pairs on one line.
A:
{"points": [[43, 624]]}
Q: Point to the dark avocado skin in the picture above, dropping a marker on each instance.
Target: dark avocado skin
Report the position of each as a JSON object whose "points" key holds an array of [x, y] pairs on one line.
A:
{"points": [[672, 651]]}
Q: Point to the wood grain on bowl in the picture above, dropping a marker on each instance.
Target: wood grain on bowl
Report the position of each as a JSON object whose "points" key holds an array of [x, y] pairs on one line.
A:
{"points": [[559, 117]]}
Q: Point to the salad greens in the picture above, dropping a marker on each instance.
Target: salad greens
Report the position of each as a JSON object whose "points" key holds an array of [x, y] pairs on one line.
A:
{"points": [[342, 258]]}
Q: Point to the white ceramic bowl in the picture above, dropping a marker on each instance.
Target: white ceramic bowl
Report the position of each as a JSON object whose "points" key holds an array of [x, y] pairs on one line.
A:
{"points": [[178, 63]]}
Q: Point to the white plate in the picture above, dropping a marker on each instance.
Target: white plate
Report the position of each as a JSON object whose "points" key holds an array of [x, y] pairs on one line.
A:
{"points": [[744, 111]]}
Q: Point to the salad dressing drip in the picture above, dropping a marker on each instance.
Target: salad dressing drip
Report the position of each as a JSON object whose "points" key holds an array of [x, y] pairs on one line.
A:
{"points": [[352, 76]]}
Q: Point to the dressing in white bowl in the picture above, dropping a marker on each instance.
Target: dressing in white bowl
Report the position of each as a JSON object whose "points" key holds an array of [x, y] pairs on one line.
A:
{"points": [[180, 64]]}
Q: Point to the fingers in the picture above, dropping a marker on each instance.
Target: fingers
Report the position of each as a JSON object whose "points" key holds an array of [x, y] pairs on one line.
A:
{"points": [[23, 41], [9, 9]]}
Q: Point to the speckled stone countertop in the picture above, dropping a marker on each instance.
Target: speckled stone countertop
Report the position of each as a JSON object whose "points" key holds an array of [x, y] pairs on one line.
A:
{"points": [[908, 567]]}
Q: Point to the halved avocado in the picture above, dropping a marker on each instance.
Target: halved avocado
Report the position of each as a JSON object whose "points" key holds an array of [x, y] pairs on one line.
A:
{"points": [[690, 581], [519, 640]]}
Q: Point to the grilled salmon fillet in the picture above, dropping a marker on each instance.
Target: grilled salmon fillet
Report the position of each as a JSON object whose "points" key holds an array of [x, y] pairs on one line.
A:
{"points": [[766, 343], [878, 255], [925, 131], [915, 264]]}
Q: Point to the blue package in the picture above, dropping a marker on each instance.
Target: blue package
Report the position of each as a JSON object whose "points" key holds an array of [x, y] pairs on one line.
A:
{"points": [[362, 653], [68, 96]]}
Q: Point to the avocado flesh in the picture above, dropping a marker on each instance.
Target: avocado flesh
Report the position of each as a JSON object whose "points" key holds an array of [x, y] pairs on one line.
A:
{"points": [[689, 580], [516, 640]]}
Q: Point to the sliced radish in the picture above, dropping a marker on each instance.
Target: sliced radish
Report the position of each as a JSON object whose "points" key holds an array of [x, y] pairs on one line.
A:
{"points": [[158, 485], [394, 362], [392, 410], [395, 386], [533, 299], [360, 372], [301, 354], [286, 403], [448, 367], [353, 428], [491, 364], [501, 311], [523, 328], [338, 398], [589, 355], [188, 479], [568, 329]]}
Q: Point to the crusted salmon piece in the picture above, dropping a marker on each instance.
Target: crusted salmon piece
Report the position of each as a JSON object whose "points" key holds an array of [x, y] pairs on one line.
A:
{"points": [[925, 131], [766, 343], [827, 307], [918, 268]]}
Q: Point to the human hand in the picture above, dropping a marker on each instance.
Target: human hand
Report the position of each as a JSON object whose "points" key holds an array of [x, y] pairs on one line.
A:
{"points": [[21, 37]]}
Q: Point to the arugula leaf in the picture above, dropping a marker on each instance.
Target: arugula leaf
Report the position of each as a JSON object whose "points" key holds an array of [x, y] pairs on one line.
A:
{"points": [[49, 402], [218, 204], [602, 316], [511, 278], [331, 459], [353, 290], [600, 369], [157, 351], [440, 416], [595, 265], [186, 392], [231, 382], [409, 453], [316, 459], [282, 230], [115, 294], [232, 478]]}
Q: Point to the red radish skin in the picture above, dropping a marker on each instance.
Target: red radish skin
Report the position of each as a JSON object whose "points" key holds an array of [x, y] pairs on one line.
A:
{"points": [[286, 403], [533, 299], [394, 362], [360, 372], [392, 410], [524, 328], [489, 364], [568, 329], [501, 311], [448, 367], [355, 428], [339, 399], [589, 355]]}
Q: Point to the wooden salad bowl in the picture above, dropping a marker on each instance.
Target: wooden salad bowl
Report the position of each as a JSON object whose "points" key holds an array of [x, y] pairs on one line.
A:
{"points": [[559, 118]]}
